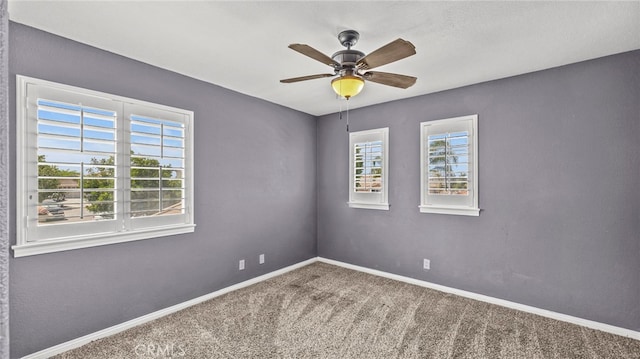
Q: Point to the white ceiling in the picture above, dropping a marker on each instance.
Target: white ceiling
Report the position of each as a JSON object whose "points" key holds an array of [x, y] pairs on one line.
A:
{"points": [[243, 45]]}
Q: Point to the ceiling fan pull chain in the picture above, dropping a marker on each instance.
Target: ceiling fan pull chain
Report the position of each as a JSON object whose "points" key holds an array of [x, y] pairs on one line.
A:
{"points": [[347, 115]]}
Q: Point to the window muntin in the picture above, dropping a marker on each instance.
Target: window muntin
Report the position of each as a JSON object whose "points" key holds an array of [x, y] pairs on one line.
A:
{"points": [[449, 158], [368, 169], [85, 168]]}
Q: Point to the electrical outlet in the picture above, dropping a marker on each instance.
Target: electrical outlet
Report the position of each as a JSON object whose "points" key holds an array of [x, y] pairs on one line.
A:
{"points": [[241, 264], [261, 259], [426, 264]]}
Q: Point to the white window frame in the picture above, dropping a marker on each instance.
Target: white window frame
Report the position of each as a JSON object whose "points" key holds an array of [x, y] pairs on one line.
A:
{"points": [[30, 239], [450, 204], [376, 200]]}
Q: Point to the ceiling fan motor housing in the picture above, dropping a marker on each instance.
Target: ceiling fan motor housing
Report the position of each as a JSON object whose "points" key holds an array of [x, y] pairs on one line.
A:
{"points": [[347, 58]]}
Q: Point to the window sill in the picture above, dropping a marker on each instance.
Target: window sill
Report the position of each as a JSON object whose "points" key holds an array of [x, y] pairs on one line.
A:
{"points": [[460, 211], [94, 240], [380, 206]]}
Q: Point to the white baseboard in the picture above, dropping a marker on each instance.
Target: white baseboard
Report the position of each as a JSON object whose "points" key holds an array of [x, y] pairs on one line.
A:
{"points": [[78, 342], [501, 302]]}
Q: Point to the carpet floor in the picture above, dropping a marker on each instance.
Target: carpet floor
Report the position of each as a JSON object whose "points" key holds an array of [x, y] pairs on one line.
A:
{"points": [[324, 311]]}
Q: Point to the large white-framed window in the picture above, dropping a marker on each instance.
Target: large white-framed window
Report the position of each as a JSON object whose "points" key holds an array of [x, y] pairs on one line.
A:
{"points": [[449, 166], [95, 168], [368, 169]]}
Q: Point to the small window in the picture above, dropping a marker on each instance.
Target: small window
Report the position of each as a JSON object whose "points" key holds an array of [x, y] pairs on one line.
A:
{"points": [[97, 169], [449, 166], [368, 174]]}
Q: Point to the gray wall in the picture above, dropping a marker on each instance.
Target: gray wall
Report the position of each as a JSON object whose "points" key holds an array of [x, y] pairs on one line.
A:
{"points": [[559, 160], [559, 163], [255, 193], [4, 181]]}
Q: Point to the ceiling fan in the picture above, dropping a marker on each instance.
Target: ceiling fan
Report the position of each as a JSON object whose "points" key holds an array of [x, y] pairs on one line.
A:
{"points": [[352, 66]]}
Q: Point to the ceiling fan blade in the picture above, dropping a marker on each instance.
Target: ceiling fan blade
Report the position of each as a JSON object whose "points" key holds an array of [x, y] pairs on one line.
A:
{"points": [[393, 51], [304, 78], [314, 54], [389, 79]]}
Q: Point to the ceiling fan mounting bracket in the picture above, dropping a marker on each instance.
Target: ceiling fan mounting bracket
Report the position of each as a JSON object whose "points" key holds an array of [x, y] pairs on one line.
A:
{"points": [[348, 38]]}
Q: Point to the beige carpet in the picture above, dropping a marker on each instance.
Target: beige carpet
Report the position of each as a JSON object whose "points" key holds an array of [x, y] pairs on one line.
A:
{"points": [[324, 311]]}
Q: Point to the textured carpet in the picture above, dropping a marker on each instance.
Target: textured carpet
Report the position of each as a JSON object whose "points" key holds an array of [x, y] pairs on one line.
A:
{"points": [[324, 311]]}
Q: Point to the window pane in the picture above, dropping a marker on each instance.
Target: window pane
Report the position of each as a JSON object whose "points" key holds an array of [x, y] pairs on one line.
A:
{"points": [[76, 166], [98, 189], [448, 164], [368, 167], [157, 167], [145, 202]]}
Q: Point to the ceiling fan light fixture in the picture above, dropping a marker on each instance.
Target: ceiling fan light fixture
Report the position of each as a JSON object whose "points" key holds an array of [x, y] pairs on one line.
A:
{"points": [[347, 86]]}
